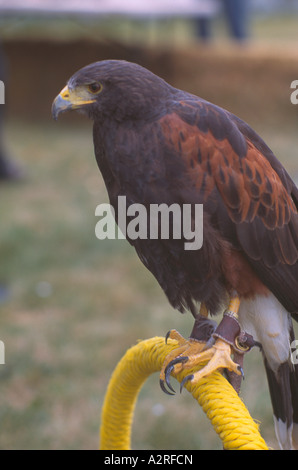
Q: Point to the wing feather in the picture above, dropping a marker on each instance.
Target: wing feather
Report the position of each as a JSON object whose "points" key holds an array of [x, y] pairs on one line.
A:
{"points": [[226, 161]]}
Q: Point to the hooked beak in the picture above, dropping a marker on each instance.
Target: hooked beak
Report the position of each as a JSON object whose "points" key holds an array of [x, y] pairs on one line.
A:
{"points": [[69, 99]]}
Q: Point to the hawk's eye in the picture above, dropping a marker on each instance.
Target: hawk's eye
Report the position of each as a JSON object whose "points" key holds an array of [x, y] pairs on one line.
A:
{"points": [[95, 87]]}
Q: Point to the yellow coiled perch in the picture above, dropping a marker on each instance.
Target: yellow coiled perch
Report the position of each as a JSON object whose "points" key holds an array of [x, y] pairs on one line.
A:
{"points": [[226, 411]]}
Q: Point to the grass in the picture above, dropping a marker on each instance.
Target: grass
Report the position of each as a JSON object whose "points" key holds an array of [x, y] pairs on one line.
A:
{"points": [[76, 304]]}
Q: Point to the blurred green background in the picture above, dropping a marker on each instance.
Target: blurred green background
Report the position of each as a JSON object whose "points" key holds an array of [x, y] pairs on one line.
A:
{"points": [[70, 304]]}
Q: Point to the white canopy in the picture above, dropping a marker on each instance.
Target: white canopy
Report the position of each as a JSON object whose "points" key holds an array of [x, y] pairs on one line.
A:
{"points": [[112, 7]]}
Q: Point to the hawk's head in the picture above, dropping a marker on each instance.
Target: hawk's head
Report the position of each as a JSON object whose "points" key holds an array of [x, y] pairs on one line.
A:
{"points": [[113, 88]]}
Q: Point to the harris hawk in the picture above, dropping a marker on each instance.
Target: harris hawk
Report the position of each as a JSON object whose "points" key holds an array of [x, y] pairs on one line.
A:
{"points": [[155, 144]]}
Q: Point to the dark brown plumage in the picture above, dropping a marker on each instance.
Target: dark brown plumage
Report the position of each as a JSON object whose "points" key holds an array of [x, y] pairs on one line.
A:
{"points": [[157, 144]]}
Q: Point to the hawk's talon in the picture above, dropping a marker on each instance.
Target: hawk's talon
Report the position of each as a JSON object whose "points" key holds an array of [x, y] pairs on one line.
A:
{"points": [[173, 334], [169, 368], [186, 379], [162, 386], [241, 371], [209, 344], [178, 360], [167, 336], [168, 371]]}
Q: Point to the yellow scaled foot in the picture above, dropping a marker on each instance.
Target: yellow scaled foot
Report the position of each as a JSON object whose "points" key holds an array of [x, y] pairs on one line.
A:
{"points": [[177, 358], [191, 353]]}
